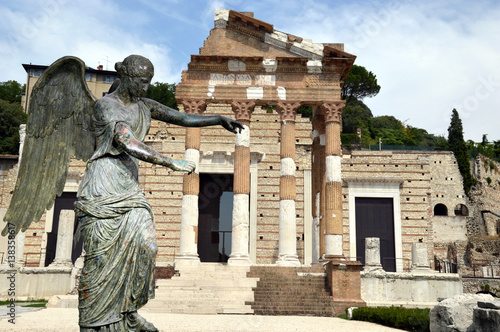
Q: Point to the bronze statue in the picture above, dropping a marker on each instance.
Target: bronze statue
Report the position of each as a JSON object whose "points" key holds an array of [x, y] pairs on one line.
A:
{"points": [[115, 220]]}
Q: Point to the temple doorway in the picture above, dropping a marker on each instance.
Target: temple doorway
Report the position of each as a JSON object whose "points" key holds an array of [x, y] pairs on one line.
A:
{"points": [[215, 206], [375, 218]]}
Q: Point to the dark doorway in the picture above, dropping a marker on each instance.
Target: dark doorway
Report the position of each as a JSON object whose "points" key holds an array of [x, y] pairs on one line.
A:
{"points": [[375, 218], [64, 202], [215, 217]]}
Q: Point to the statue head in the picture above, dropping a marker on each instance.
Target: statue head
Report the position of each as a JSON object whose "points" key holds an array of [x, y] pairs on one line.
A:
{"points": [[135, 73], [135, 66]]}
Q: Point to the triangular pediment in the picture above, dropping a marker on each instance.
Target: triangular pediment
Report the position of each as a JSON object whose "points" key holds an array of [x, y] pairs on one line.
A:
{"points": [[241, 35]]}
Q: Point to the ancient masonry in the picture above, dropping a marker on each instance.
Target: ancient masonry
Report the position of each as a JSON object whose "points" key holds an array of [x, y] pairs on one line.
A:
{"points": [[295, 191]]}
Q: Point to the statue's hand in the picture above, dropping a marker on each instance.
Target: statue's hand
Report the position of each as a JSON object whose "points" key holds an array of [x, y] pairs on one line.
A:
{"points": [[231, 125], [183, 166]]}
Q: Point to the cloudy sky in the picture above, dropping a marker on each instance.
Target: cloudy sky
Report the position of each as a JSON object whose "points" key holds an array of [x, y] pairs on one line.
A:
{"points": [[430, 56]]}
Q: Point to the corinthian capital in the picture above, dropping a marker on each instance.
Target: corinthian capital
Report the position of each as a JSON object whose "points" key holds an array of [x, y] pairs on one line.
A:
{"points": [[243, 109], [287, 110], [194, 106], [333, 111]]}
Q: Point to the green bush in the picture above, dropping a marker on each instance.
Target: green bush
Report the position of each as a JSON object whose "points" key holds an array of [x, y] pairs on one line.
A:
{"points": [[402, 318], [488, 179]]}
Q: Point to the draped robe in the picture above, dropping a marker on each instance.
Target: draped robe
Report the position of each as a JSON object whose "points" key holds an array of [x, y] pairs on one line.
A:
{"points": [[116, 223]]}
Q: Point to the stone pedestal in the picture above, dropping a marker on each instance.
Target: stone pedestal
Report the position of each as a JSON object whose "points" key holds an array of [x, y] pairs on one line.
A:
{"points": [[420, 262], [344, 279], [372, 254], [64, 244]]}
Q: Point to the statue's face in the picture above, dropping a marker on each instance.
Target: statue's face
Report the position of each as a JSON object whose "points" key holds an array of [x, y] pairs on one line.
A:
{"points": [[138, 85]]}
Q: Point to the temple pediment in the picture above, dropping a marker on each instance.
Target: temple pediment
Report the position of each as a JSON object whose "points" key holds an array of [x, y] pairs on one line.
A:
{"points": [[246, 58]]}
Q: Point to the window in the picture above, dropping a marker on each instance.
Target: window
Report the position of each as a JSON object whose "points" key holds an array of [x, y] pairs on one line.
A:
{"points": [[461, 210], [108, 79], [36, 72], [89, 77], [440, 210]]}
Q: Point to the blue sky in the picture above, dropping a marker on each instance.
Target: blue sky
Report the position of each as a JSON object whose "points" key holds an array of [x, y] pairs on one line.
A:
{"points": [[429, 56]]}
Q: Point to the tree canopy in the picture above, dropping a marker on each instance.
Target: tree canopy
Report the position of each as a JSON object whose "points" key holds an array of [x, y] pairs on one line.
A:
{"points": [[359, 84], [457, 145], [11, 91], [11, 116], [163, 93]]}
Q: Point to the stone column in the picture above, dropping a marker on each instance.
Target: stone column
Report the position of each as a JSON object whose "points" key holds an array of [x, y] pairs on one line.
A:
{"points": [[287, 255], [318, 184], [241, 185], [188, 248], [64, 244], [419, 260], [372, 254], [333, 191], [21, 236], [19, 242]]}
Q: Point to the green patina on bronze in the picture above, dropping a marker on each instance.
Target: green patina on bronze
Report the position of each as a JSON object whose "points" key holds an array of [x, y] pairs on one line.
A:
{"points": [[115, 220]]}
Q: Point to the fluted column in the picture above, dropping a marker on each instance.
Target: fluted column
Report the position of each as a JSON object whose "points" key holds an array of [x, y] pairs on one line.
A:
{"points": [[333, 191], [188, 248], [287, 255], [241, 185], [318, 185]]}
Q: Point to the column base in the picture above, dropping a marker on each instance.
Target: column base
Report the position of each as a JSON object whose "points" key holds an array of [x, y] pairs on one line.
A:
{"points": [[61, 263], [187, 259], [288, 260], [239, 261]]}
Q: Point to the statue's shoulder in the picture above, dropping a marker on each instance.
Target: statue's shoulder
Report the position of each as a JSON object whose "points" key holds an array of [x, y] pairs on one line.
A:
{"points": [[106, 105]]}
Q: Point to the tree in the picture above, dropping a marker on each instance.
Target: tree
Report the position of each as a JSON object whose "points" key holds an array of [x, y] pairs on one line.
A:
{"points": [[163, 93], [11, 116], [11, 91], [457, 145], [359, 84]]}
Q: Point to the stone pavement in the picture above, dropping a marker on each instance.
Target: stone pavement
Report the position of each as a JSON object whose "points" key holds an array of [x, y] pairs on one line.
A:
{"points": [[58, 319]]}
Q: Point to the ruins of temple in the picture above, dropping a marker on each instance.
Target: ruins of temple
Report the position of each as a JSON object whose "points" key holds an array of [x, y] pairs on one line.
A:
{"points": [[281, 193]]}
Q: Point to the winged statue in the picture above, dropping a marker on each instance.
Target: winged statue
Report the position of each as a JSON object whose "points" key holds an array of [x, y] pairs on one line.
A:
{"points": [[114, 218]]}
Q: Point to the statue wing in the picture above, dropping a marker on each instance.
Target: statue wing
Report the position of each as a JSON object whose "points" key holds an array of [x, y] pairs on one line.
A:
{"points": [[59, 127]]}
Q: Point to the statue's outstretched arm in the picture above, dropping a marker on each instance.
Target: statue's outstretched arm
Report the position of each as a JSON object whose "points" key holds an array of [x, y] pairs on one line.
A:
{"points": [[124, 137], [169, 115]]}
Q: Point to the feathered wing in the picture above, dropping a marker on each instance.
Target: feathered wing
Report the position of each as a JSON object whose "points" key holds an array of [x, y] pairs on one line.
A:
{"points": [[59, 127]]}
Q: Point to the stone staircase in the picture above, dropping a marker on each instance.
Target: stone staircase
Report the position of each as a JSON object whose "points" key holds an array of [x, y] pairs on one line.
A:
{"points": [[208, 288], [292, 291]]}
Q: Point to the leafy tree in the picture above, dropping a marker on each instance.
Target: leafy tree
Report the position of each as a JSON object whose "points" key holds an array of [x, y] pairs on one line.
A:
{"points": [[356, 115], [11, 116], [163, 93], [387, 122], [11, 91], [360, 83], [457, 145]]}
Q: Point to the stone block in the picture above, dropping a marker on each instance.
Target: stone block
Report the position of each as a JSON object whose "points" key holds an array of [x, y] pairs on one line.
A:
{"points": [[487, 319], [456, 313]]}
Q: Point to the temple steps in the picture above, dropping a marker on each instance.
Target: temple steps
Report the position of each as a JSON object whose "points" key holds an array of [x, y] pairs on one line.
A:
{"points": [[292, 291], [208, 288]]}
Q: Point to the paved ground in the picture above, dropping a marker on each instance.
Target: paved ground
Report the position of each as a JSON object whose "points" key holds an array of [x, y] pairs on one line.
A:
{"points": [[56, 319]]}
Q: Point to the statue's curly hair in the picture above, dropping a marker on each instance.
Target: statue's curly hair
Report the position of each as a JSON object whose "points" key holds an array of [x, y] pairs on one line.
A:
{"points": [[134, 66]]}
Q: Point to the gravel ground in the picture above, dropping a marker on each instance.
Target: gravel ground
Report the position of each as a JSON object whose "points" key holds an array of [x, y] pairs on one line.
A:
{"points": [[57, 319]]}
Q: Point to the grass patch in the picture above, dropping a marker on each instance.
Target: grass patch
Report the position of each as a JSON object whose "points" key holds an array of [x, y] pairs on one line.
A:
{"points": [[28, 304], [416, 320]]}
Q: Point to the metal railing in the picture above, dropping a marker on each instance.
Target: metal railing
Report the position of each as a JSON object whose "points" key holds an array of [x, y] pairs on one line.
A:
{"points": [[446, 266], [491, 271]]}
